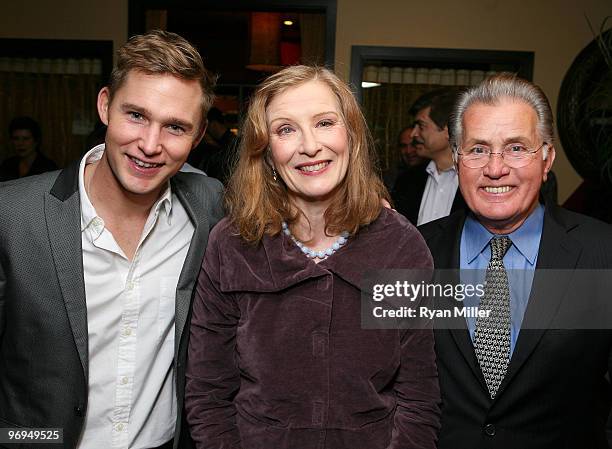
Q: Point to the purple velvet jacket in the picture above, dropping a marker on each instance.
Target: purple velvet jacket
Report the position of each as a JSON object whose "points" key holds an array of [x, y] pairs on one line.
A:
{"points": [[278, 359]]}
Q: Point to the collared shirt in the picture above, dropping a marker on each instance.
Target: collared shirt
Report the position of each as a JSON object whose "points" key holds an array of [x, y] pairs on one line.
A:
{"points": [[130, 318], [439, 193], [520, 262]]}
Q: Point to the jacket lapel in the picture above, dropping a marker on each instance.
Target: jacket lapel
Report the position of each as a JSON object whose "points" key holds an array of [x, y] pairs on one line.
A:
{"points": [[458, 202], [196, 207], [557, 251], [63, 217], [444, 244], [458, 328]]}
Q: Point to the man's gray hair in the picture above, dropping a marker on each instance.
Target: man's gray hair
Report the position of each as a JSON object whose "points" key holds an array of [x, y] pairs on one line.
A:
{"points": [[490, 92]]}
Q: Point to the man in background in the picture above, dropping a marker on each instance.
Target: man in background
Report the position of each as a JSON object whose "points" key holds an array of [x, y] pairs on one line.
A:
{"points": [[428, 193], [408, 157], [216, 153]]}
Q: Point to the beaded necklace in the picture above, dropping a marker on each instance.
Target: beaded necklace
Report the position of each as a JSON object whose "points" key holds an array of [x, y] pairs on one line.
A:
{"points": [[312, 254]]}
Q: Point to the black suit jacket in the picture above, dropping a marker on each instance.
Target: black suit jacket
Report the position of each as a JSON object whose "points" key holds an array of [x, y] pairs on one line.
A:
{"points": [[555, 394], [44, 363], [408, 192]]}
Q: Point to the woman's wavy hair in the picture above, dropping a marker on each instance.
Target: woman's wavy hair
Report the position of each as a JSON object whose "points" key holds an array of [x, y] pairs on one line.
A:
{"points": [[257, 204]]}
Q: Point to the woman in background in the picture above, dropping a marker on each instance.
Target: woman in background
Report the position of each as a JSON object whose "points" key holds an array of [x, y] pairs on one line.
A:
{"points": [[277, 355], [25, 136]]}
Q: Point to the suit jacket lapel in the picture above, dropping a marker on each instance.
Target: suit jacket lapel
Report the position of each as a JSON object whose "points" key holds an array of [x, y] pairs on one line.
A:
{"points": [[63, 218], [449, 237], [557, 251], [458, 202], [196, 207]]}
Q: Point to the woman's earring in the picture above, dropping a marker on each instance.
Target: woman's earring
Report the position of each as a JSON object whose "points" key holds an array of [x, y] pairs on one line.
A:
{"points": [[274, 173]]}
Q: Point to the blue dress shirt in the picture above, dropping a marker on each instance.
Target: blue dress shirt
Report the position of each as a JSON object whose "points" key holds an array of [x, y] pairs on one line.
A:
{"points": [[520, 262]]}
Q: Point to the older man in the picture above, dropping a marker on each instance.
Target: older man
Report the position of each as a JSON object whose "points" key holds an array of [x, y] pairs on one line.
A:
{"points": [[505, 383], [98, 264]]}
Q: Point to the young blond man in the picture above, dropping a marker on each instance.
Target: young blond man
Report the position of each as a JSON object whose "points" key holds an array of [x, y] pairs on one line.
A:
{"points": [[98, 263]]}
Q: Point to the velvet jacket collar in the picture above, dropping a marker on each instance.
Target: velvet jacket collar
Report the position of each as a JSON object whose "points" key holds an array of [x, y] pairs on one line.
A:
{"points": [[277, 263]]}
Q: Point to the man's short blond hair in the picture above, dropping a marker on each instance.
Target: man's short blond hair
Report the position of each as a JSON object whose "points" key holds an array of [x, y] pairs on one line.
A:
{"points": [[159, 53]]}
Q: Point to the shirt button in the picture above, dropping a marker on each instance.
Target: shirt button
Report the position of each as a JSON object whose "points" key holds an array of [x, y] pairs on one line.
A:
{"points": [[130, 285], [127, 331], [490, 430], [120, 427], [124, 380]]}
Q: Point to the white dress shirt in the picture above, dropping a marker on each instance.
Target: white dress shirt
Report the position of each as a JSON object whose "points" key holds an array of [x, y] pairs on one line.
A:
{"points": [[440, 189], [130, 318]]}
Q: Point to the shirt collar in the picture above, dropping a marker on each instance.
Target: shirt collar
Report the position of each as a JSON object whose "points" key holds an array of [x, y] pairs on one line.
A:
{"points": [[88, 212], [525, 239], [165, 201], [432, 170]]}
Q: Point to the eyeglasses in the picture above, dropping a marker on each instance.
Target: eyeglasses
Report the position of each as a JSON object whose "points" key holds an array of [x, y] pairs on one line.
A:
{"points": [[514, 155]]}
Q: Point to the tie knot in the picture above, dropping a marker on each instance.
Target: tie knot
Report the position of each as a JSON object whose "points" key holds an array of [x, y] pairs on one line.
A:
{"points": [[499, 247]]}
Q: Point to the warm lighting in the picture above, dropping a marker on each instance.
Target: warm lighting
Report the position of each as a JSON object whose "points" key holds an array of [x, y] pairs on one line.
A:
{"points": [[367, 84], [265, 42], [288, 22]]}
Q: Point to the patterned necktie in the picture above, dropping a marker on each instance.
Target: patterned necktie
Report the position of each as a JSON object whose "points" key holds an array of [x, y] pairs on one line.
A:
{"points": [[492, 336]]}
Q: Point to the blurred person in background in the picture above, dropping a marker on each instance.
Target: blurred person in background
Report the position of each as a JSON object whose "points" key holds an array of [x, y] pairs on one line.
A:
{"points": [[215, 155], [408, 157], [429, 192], [25, 137]]}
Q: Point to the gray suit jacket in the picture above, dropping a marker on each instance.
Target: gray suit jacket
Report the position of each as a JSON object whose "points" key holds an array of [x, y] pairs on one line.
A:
{"points": [[43, 313]]}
